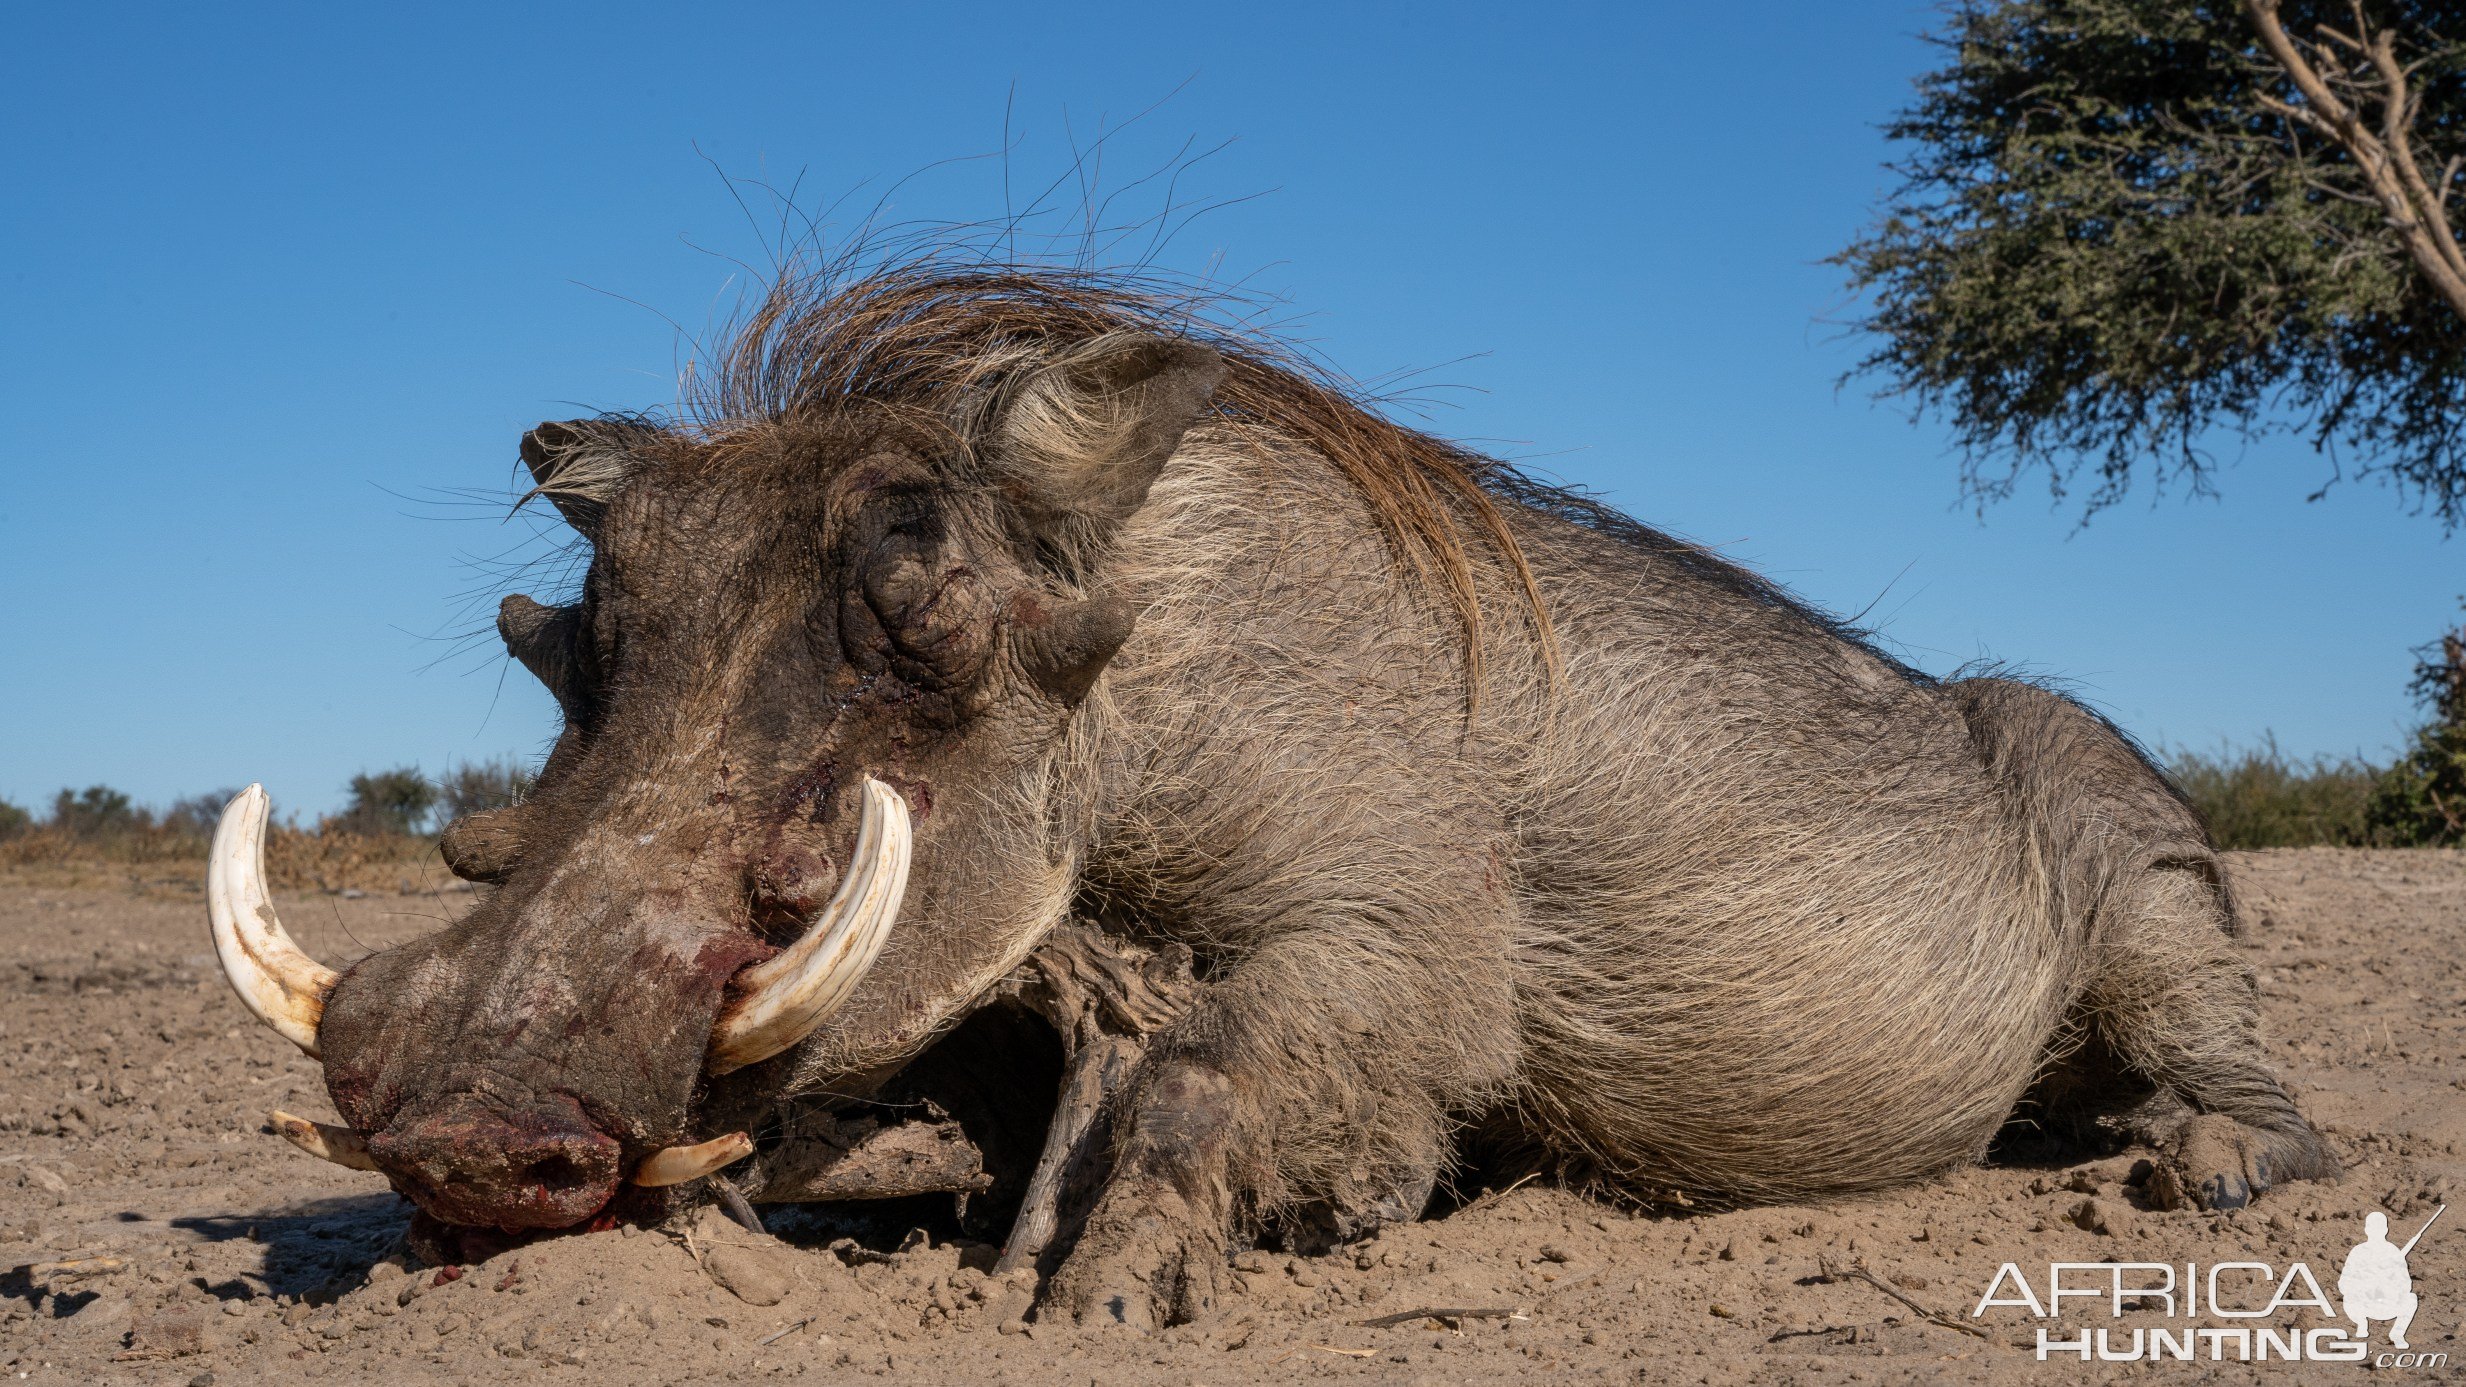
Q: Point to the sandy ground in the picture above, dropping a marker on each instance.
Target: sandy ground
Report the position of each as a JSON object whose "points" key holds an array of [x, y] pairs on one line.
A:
{"points": [[197, 1250]]}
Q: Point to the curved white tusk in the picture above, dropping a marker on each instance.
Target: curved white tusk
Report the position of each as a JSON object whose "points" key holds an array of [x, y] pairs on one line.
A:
{"points": [[783, 999], [340, 1145], [282, 985], [677, 1164]]}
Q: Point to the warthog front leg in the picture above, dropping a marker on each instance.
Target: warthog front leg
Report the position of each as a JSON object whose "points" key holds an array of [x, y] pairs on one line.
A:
{"points": [[1306, 1092], [1154, 1245]]}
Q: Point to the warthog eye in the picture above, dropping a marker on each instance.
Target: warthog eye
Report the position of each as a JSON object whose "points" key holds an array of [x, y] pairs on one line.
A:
{"points": [[918, 612]]}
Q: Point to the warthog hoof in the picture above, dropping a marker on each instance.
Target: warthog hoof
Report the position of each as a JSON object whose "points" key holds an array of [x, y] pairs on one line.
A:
{"points": [[1143, 1262], [2215, 1162]]}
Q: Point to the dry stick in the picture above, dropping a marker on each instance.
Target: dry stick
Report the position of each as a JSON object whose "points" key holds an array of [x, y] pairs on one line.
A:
{"points": [[776, 1335], [80, 1266], [1857, 1271], [1408, 1316], [733, 1201]]}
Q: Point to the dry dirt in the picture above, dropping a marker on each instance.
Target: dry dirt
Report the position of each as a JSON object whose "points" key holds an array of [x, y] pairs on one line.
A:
{"points": [[199, 1250]]}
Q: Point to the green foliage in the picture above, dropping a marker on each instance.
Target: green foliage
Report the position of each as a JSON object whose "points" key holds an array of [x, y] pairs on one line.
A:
{"points": [[2104, 250], [388, 803], [2422, 799], [2260, 798], [474, 786], [13, 820], [98, 811]]}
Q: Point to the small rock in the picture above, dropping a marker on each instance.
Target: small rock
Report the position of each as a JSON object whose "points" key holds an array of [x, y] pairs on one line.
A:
{"points": [[1724, 1311], [202, 1380], [753, 1275], [450, 1324], [166, 1334], [2111, 1217], [1551, 1252], [46, 1180], [1304, 1276], [1253, 1261]]}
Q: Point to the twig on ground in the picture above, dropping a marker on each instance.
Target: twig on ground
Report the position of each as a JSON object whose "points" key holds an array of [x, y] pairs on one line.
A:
{"points": [[1857, 1271], [1408, 1316], [778, 1334], [1488, 1197], [80, 1266]]}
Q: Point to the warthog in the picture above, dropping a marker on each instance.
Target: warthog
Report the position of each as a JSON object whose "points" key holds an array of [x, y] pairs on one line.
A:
{"points": [[972, 607]]}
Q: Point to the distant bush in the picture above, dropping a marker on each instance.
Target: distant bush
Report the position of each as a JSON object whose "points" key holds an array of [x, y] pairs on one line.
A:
{"points": [[197, 815], [2421, 801], [2259, 797], [391, 803], [98, 811], [475, 786], [13, 820]]}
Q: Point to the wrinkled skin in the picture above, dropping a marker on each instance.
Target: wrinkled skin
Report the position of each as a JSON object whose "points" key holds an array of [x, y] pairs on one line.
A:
{"points": [[764, 624]]}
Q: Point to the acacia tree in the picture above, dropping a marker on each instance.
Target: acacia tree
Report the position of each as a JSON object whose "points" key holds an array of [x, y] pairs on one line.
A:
{"points": [[2125, 227]]}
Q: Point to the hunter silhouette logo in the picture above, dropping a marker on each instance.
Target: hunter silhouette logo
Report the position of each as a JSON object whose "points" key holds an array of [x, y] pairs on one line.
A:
{"points": [[2374, 1284], [2257, 1312]]}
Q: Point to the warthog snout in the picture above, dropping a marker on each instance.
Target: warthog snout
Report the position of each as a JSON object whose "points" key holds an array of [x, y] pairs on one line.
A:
{"points": [[577, 1075], [466, 1161]]}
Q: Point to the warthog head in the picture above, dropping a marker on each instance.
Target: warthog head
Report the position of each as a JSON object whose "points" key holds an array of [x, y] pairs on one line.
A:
{"points": [[812, 794]]}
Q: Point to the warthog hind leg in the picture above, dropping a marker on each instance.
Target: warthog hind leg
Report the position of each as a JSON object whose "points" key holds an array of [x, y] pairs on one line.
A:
{"points": [[2178, 1006]]}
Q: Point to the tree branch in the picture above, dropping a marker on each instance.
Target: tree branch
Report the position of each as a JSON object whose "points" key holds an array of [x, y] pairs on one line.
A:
{"points": [[2387, 160], [2397, 122]]}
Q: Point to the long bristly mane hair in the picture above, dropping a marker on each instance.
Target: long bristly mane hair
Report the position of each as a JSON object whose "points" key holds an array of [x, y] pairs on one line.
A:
{"points": [[940, 331]]}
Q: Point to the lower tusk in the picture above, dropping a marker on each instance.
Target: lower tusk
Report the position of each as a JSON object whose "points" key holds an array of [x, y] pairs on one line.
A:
{"points": [[782, 1000], [678, 1164], [324, 1141], [274, 977]]}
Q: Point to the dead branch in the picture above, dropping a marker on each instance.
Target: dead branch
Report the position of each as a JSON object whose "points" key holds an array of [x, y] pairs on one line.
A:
{"points": [[1103, 997], [863, 1159]]}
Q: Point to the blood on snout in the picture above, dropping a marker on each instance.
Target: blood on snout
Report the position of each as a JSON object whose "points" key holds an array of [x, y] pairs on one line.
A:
{"points": [[542, 1164]]}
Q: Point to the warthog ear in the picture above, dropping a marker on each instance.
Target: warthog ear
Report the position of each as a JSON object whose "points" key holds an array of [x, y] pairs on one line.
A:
{"points": [[543, 638], [581, 463], [1083, 437]]}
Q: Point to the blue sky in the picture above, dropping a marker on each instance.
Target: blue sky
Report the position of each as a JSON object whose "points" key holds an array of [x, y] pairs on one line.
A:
{"points": [[280, 282]]}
